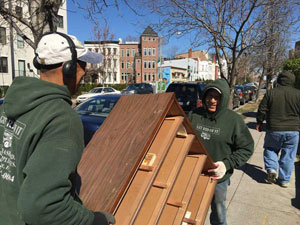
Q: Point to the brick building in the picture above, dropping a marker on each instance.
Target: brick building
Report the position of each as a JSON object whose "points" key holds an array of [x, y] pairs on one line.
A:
{"points": [[138, 61]]}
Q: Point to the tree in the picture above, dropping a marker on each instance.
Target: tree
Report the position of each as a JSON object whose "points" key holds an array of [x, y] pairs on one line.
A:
{"points": [[38, 18], [232, 28], [102, 37], [293, 65]]}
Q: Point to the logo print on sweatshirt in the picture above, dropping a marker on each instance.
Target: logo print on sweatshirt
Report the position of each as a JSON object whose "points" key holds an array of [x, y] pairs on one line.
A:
{"points": [[7, 139], [16, 128], [207, 131], [205, 136]]}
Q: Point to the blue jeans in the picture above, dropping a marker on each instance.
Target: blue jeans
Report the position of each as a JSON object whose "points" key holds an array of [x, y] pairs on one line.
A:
{"points": [[287, 142], [218, 204]]}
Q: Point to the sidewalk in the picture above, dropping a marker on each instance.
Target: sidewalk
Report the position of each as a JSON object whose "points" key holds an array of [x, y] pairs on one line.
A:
{"points": [[251, 201]]}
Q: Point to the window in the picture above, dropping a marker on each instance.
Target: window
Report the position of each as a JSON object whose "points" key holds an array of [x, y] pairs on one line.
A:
{"points": [[153, 77], [109, 51], [19, 12], [109, 79], [109, 63], [122, 52], [115, 76], [128, 65], [145, 51], [133, 52], [149, 64], [138, 74], [138, 61], [145, 64], [122, 65], [153, 51], [149, 77], [21, 64], [153, 39], [2, 35], [153, 64], [145, 77], [127, 52], [60, 21], [115, 63], [115, 51], [149, 51], [3, 65], [96, 50], [20, 41]]}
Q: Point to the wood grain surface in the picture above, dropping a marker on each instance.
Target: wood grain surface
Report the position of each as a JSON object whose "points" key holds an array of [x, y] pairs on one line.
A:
{"points": [[115, 152]]}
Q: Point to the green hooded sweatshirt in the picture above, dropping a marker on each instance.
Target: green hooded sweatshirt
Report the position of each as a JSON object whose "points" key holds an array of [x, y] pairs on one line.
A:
{"points": [[223, 133], [42, 143], [281, 105]]}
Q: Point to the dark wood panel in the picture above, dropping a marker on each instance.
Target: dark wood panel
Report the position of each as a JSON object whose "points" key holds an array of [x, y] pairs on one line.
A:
{"points": [[114, 153]]}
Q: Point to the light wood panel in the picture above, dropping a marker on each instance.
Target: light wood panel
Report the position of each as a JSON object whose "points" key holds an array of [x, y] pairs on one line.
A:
{"points": [[174, 211], [134, 196]]}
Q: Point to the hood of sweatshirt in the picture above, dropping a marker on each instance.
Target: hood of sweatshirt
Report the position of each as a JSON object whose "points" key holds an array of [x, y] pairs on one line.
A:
{"points": [[26, 93], [223, 87], [286, 78]]}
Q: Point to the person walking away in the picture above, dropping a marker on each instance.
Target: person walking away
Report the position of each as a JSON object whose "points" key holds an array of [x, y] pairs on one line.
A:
{"points": [[226, 138], [42, 140], [280, 107]]}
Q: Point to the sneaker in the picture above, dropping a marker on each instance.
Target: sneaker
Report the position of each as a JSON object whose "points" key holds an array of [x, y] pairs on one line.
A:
{"points": [[271, 177], [283, 185]]}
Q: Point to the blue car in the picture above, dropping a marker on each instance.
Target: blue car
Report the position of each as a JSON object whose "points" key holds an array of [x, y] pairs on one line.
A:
{"points": [[94, 111]]}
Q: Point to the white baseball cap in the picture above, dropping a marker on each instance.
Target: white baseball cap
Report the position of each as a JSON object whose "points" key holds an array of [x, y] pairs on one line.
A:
{"points": [[54, 48]]}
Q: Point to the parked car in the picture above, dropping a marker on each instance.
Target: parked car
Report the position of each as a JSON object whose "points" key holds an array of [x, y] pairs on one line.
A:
{"points": [[138, 88], [94, 111], [236, 99], [242, 93], [96, 91], [188, 94], [251, 90]]}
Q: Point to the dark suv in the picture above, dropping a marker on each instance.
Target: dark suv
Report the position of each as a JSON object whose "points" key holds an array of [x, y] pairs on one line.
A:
{"points": [[188, 94], [139, 88]]}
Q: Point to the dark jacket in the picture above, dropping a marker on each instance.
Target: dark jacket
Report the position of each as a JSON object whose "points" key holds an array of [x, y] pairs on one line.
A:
{"points": [[223, 133], [42, 143], [281, 105]]}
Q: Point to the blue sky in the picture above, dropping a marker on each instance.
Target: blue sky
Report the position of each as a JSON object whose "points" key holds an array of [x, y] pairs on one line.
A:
{"points": [[120, 25], [123, 25]]}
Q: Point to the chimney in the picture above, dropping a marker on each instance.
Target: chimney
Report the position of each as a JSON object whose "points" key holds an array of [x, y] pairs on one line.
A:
{"points": [[190, 53]]}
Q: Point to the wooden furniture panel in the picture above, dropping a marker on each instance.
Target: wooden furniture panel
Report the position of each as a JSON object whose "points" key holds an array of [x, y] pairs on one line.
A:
{"points": [[144, 177], [200, 201], [117, 148], [182, 190], [123, 158], [164, 181]]}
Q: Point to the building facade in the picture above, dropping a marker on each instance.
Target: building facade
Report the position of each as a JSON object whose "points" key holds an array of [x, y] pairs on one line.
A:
{"points": [[15, 54], [108, 71]]}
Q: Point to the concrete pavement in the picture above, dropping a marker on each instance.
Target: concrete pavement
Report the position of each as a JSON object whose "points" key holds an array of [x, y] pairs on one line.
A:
{"points": [[251, 201]]}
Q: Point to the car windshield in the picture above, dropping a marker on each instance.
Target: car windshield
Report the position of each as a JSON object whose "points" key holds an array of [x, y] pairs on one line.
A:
{"points": [[183, 90], [97, 107], [132, 87], [96, 90]]}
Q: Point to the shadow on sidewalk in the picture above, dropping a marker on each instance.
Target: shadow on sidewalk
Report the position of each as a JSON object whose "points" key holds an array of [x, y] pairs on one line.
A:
{"points": [[250, 114], [296, 200], [255, 172], [252, 125]]}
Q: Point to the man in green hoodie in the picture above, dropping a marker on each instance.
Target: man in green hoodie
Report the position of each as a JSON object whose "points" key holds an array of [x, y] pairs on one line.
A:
{"points": [[42, 140], [281, 109], [226, 138]]}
